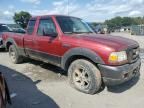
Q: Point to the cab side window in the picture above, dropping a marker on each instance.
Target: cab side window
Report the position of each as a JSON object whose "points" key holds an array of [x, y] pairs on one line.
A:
{"points": [[31, 26], [46, 27]]}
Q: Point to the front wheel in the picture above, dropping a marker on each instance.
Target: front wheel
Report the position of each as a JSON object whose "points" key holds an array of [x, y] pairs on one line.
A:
{"points": [[84, 76], [14, 56]]}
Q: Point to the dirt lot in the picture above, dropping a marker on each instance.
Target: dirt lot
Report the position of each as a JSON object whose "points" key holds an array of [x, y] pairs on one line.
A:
{"points": [[35, 84]]}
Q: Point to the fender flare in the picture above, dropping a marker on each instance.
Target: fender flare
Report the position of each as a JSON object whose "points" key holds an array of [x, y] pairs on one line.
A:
{"points": [[19, 50], [93, 56], [11, 40]]}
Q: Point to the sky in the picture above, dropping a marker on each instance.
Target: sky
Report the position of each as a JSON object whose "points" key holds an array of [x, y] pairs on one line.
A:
{"points": [[89, 10]]}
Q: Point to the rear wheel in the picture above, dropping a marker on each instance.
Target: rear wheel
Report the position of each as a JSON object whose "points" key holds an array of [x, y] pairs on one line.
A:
{"points": [[84, 76], [14, 56]]}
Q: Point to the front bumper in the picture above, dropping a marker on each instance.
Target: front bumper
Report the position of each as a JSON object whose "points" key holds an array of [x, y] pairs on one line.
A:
{"points": [[114, 75]]}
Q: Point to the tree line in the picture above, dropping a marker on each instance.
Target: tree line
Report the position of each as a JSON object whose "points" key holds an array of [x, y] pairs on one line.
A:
{"points": [[23, 17], [119, 22]]}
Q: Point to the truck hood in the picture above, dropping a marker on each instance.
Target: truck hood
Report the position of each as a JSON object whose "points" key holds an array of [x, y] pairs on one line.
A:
{"points": [[116, 42]]}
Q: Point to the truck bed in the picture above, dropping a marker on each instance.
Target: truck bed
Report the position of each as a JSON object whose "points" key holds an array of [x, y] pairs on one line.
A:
{"points": [[17, 37]]}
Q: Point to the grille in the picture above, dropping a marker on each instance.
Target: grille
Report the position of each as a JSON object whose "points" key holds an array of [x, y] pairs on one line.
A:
{"points": [[133, 54]]}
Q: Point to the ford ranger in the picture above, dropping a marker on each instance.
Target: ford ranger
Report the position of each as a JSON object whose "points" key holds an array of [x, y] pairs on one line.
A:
{"points": [[90, 59]]}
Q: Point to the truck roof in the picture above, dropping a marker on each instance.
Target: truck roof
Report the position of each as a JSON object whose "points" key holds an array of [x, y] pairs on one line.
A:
{"points": [[51, 16]]}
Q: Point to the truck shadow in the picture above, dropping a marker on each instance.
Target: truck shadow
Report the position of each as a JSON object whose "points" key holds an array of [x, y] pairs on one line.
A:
{"points": [[123, 87], [47, 66], [3, 50], [24, 91]]}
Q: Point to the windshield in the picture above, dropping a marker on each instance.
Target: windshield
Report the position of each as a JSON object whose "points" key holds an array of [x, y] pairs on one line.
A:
{"points": [[4, 28], [73, 25]]}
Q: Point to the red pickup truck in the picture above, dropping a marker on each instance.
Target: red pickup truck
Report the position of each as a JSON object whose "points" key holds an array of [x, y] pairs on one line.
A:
{"points": [[68, 42]]}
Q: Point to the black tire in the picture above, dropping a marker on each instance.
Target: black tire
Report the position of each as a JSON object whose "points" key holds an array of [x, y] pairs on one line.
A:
{"points": [[84, 76], [14, 55]]}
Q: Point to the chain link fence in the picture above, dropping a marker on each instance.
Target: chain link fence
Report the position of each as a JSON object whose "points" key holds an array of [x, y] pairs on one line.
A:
{"points": [[137, 30]]}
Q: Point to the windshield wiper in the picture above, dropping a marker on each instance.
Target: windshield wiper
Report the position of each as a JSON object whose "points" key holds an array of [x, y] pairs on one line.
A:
{"points": [[82, 32], [68, 32], [77, 32]]}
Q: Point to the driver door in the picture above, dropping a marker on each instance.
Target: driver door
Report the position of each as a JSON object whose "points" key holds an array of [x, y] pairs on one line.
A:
{"points": [[47, 40]]}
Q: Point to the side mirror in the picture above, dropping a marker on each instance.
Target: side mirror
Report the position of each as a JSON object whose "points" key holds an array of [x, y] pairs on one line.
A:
{"points": [[53, 35], [49, 32]]}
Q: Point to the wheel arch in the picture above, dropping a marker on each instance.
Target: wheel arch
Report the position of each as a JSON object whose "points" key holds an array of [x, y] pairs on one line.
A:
{"points": [[9, 42], [80, 53]]}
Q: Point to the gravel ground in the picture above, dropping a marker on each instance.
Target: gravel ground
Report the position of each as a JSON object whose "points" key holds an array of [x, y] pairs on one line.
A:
{"points": [[35, 84]]}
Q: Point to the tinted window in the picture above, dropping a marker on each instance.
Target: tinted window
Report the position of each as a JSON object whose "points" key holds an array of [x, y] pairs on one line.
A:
{"points": [[31, 26], [46, 27]]}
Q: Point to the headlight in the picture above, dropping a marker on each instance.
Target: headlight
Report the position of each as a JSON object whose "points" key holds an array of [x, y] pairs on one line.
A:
{"points": [[118, 57]]}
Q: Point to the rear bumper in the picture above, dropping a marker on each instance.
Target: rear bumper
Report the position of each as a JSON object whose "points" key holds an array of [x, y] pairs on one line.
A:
{"points": [[114, 75]]}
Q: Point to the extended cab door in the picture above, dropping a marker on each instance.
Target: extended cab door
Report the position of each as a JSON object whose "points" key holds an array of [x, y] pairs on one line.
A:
{"points": [[47, 40], [29, 38]]}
